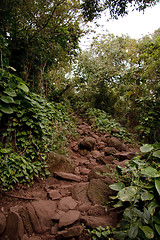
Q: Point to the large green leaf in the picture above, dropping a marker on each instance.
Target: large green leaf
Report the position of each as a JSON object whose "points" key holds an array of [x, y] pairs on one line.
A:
{"points": [[7, 99], [156, 154], [150, 172], [147, 231], [10, 92], [157, 227], [133, 231], [146, 196], [117, 186], [152, 207], [23, 87], [146, 148], [6, 109], [157, 185], [128, 193]]}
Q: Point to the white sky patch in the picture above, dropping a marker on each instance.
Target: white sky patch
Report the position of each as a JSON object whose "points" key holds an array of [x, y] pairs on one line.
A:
{"points": [[135, 24]]}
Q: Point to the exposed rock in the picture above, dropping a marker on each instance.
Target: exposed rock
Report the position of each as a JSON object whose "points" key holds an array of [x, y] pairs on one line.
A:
{"points": [[34, 219], [25, 237], [54, 229], [122, 163], [26, 220], [2, 223], [66, 190], [58, 215], [84, 171], [110, 151], [35, 238], [97, 210], [59, 163], [54, 194], [16, 208], [98, 191], [15, 228], [87, 143], [101, 145], [84, 207], [45, 210], [79, 192], [114, 142], [97, 172], [74, 231], [125, 155], [67, 203], [95, 221], [67, 176], [69, 218], [108, 159], [96, 154]]}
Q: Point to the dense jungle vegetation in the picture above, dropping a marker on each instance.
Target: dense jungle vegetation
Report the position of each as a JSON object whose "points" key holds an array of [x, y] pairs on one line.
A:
{"points": [[45, 78]]}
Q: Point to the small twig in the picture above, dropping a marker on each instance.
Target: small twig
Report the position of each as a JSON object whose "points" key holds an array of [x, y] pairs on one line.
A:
{"points": [[20, 197]]}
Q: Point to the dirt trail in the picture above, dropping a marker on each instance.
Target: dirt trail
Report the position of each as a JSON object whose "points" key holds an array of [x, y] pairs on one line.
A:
{"points": [[76, 193]]}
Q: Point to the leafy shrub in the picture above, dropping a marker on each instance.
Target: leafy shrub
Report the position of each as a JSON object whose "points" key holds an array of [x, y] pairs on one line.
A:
{"points": [[100, 233], [30, 127], [149, 119], [104, 122], [139, 196]]}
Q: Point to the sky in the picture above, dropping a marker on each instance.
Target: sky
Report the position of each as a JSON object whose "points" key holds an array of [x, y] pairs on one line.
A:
{"points": [[135, 24]]}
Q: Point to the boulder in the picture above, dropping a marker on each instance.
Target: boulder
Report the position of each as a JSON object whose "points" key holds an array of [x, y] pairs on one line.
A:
{"points": [[79, 192], [69, 218], [97, 210], [110, 151], [87, 143], [114, 142], [98, 191], [15, 228], [2, 223], [67, 203], [59, 163]]}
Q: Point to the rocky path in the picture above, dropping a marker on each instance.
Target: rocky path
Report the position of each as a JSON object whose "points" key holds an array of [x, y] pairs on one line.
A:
{"points": [[76, 193]]}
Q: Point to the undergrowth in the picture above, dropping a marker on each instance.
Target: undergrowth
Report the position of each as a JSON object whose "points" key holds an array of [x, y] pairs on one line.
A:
{"points": [[30, 128], [104, 122]]}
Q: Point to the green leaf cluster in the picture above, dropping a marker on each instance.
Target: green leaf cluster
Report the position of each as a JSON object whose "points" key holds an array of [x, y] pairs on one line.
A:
{"points": [[30, 128], [138, 195], [104, 122]]}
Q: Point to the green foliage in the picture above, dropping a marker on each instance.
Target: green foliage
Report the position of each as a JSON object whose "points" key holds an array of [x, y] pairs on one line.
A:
{"points": [[104, 122], [30, 128], [138, 196], [148, 116], [100, 233]]}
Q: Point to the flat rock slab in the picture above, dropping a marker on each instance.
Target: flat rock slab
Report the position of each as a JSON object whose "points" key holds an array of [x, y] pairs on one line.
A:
{"points": [[2, 222], [41, 212], [79, 192], [69, 218], [67, 203], [98, 191], [67, 176], [70, 232], [54, 194], [15, 228]]}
